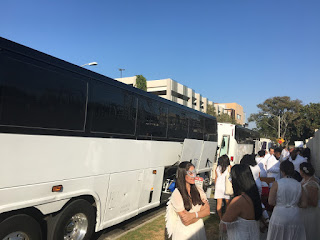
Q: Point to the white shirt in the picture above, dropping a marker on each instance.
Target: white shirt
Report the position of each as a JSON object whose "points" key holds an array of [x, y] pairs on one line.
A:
{"points": [[273, 168], [261, 162], [259, 159], [296, 163], [285, 154]]}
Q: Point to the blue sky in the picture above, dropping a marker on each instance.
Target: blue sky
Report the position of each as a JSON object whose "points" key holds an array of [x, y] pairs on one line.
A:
{"points": [[228, 50]]}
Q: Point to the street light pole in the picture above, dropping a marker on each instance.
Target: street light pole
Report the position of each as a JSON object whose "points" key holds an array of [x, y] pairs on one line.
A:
{"points": [[121, 69], [279, 126]]}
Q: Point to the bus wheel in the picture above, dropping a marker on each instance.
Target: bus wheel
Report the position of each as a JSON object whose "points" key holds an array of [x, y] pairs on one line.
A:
{"points": [[20, 226], [75, 222]]}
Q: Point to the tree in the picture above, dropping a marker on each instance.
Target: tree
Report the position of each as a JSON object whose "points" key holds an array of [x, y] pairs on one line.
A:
{"points": [[307, 123], [141, 82], [270, 110], [225, 118], [211, 110]]}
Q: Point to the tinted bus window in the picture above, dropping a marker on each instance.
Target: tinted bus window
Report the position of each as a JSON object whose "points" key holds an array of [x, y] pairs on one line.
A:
{"points": [[152, 118], [210, 130], [113, 110], [244, 135], [196, 127], [178, 124], [36, 97]]}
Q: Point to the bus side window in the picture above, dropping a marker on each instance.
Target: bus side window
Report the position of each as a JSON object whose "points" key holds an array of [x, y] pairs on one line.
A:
{"points": [[36, 94], [113, 110]]}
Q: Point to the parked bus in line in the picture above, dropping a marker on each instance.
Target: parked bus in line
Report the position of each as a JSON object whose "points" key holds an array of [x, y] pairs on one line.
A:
{"points": [[81, 152], [236, 141]]}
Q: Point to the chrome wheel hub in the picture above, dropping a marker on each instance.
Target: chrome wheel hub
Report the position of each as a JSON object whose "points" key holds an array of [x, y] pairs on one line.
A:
{"points": [[16, 236], [76, 228]]}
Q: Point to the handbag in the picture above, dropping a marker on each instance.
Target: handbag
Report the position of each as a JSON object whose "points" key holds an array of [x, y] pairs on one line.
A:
{"points": [[228, 185]]}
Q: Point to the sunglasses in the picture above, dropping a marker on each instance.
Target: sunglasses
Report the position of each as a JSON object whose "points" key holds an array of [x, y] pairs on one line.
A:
{"points": [[192, 173]]}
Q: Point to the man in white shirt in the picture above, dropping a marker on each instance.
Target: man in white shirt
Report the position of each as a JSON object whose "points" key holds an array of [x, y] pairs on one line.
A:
{"points": [[271, 152], [296, 159], [273, 164], [261, 162], [285, 154]]}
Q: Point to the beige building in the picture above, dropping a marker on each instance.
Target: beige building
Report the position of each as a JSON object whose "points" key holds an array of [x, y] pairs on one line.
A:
{"points": [[176, 92], [235, 111], [173, 91]]}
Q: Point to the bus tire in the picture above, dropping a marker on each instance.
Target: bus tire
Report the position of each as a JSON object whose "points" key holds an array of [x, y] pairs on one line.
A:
{"points": [[75, 221], [22, 226]]}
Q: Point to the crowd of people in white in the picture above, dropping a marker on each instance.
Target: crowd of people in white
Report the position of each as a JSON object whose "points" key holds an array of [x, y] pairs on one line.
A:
{"points": [[288, 210], [293, 201]]}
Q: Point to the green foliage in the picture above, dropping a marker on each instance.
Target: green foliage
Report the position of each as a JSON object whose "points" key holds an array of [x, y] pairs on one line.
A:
{"points": [[211, 110], [225, 118], [297, 121], [141, 82], [308, 121]]}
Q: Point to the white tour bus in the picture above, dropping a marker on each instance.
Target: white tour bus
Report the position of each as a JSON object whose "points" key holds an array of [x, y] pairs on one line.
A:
{"points": [[236, 141], [81, 152]]}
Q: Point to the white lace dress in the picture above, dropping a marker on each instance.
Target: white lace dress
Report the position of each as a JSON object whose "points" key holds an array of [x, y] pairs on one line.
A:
{"points": [[241, 229], [285, 222], [220, 186], [311, 215], [174, 225]]}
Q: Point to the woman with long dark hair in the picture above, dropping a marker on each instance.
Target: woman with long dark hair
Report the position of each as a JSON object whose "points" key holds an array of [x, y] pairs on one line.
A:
{"points": [[222, 170], [310, 214], [241, 218], [187, 206], [285, 194]]}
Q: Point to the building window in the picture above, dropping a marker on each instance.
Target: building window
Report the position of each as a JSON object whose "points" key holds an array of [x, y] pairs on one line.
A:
{"points": [[238, 116]]}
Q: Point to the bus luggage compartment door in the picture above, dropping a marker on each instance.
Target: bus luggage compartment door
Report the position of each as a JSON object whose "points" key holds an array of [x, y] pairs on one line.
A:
{"points": [[191, 151], [208, 156]]}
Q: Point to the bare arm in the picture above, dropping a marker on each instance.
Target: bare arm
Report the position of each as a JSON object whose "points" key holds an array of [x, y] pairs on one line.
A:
{"points": [[188, 218], [272, 200], [215, 179]]}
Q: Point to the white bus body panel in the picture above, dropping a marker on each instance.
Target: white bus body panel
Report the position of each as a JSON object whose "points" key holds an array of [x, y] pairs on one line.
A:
{"points": [[235, 150], [201, 153], [32, 164]]}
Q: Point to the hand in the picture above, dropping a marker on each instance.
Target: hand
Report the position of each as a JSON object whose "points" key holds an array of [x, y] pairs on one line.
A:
{"points": [[187, 217]]}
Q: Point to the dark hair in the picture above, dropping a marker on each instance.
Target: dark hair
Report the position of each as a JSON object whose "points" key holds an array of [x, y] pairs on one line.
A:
{"points": [[306, 153], [242, 181], [271, 148], [249, 160], [307, 168], [181, 186], [224, 162], [287, 168], [262, 153], [279, 150]]}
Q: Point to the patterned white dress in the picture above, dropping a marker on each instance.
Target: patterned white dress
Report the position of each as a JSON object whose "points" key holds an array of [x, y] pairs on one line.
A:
{"points": [[285, 222], [241, 229], [174, 225]]}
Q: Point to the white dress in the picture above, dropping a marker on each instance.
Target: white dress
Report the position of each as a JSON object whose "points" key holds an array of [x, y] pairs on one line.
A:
{"points": [[311, 215], [174, 225], [296, 163], [220, 186], [285, 222], [241, 229]]}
